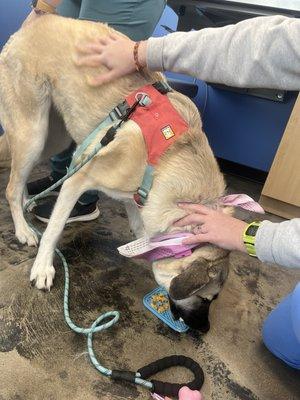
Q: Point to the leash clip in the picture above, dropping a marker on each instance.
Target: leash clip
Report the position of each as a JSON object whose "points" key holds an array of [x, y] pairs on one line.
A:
{"points": [[143, 99]]}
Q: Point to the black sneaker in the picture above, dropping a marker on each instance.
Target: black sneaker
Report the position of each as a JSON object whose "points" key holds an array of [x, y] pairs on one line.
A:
{"points": [[80, 212], [42, 184]]}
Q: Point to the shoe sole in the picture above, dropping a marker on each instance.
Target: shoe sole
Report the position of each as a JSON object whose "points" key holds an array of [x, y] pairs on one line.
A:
{"points": [[81, 218]]}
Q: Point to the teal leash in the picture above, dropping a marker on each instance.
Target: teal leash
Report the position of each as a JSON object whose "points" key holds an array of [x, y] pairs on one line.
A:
{"points": [[114, 315]]}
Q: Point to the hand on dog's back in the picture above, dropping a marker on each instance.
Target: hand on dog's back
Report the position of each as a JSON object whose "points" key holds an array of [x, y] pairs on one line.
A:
{"points": [[115, 52]]}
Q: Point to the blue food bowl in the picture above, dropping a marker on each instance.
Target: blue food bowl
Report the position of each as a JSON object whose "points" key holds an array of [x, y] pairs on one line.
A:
{"points": [[281, 329], [157, 302]]}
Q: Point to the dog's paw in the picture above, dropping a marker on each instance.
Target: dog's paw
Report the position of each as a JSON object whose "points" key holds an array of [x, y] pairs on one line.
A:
{"points": [[27, 235], [42, 275]]}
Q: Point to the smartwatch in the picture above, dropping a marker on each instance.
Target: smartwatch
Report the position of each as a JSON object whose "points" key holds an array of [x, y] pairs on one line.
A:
{"points": [[249, 237], [41, 6]]}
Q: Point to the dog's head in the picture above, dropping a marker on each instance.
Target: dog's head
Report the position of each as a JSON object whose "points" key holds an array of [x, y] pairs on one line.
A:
{"points": [[193, 283]]}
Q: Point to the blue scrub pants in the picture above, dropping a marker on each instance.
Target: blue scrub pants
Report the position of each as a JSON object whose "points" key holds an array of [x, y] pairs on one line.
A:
{"points": [[281, 330], [135, 18]]}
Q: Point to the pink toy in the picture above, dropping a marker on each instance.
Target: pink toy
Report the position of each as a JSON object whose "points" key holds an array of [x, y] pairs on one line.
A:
{"points": [[184, 394], [187, 394]]}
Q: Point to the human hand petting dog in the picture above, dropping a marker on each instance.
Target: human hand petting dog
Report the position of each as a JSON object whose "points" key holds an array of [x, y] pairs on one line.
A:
{"points": [[213, 227], [115, 52]]}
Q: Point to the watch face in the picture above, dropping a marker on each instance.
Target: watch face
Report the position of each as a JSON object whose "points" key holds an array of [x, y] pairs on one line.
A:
{"points": [[251, 231]]}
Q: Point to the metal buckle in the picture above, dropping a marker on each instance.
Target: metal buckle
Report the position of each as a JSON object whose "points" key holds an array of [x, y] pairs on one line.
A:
{"points": [[143, 99], [121, 109]]}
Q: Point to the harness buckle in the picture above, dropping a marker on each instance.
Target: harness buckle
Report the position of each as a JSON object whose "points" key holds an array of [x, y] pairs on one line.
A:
{"points": [[141, 196], [121, 109], [143, 192], [143, 99]]}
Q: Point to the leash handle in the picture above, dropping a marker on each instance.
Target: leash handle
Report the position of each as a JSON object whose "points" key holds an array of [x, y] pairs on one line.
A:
{"points": [[172, 389]]}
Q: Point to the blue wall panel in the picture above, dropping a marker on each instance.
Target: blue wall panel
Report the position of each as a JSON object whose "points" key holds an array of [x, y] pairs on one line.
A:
{"points": [[241, 128], [12, 14]]}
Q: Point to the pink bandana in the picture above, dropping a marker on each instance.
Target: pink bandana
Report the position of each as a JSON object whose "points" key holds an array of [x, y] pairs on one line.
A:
{"points": [[170, 244], [158, 247], [243, 201]]}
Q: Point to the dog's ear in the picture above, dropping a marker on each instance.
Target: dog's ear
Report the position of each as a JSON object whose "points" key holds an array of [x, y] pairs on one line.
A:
{"points": [[201, 277], [190, 280]]}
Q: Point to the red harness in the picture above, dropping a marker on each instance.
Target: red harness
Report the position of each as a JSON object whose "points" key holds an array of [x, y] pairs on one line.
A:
{"points": [[160, 123]]}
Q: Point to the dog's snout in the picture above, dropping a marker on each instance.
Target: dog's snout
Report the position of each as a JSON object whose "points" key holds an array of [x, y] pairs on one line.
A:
{"points": [[204, 328], [196, 316]]}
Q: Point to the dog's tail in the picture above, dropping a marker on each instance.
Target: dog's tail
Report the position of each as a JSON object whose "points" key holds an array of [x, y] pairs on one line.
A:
{"points": [[5, 158]]}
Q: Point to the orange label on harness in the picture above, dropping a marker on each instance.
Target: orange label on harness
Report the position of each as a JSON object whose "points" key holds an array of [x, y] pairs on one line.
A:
{"points": [[160, 123]]}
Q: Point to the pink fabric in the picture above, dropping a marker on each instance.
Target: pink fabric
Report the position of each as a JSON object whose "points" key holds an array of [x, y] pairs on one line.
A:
{"points": [[169, 250], [170, 244], [243, 201], [158, 247]]}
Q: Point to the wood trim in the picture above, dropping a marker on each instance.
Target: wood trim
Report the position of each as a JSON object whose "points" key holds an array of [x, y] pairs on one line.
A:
{"points": [[281, 192], [278, 207]]}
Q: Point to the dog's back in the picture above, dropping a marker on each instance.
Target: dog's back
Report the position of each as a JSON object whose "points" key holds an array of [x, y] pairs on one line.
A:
{"points": [[38, 64], [42, 56]]}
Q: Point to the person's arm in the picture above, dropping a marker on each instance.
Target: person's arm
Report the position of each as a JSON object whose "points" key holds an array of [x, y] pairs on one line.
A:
{"points": [[53, 3], [258, 52], [277, 243], [33, 14]]}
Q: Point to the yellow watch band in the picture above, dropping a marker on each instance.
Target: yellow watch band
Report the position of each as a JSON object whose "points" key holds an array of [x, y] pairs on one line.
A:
{"points": [[44, 7], [249, 237]]}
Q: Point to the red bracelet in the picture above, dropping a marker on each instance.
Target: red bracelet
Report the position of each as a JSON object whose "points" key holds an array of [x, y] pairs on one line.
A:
{"points": [[138, 66]]}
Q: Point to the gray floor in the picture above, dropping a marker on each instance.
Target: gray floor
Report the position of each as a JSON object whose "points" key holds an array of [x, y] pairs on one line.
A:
{"points": [[41, 358]]}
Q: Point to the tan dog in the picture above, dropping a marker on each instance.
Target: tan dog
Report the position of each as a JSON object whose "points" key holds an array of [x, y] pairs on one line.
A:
{"points": [[37, 69]]}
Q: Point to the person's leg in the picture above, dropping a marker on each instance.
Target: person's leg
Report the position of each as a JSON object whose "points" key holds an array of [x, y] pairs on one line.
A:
{"points": [[281, 330], [61, 161], [135, 18]]}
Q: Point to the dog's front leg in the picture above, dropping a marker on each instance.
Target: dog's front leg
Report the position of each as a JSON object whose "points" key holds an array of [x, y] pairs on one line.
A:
{"points": [[42, 272]]}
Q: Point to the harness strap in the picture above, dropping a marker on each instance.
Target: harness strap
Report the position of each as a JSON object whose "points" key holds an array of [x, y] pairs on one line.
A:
{"points": [[142, 193], [162, 87], [88, 140], [140, 197]]}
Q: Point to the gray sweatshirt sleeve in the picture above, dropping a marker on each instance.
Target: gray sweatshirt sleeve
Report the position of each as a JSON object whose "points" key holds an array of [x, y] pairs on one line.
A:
{"points": [[259, 52], [279, 243]]}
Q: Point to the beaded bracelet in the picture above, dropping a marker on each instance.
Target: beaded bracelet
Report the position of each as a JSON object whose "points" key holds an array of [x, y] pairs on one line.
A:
{"points": [[138, 66]]}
